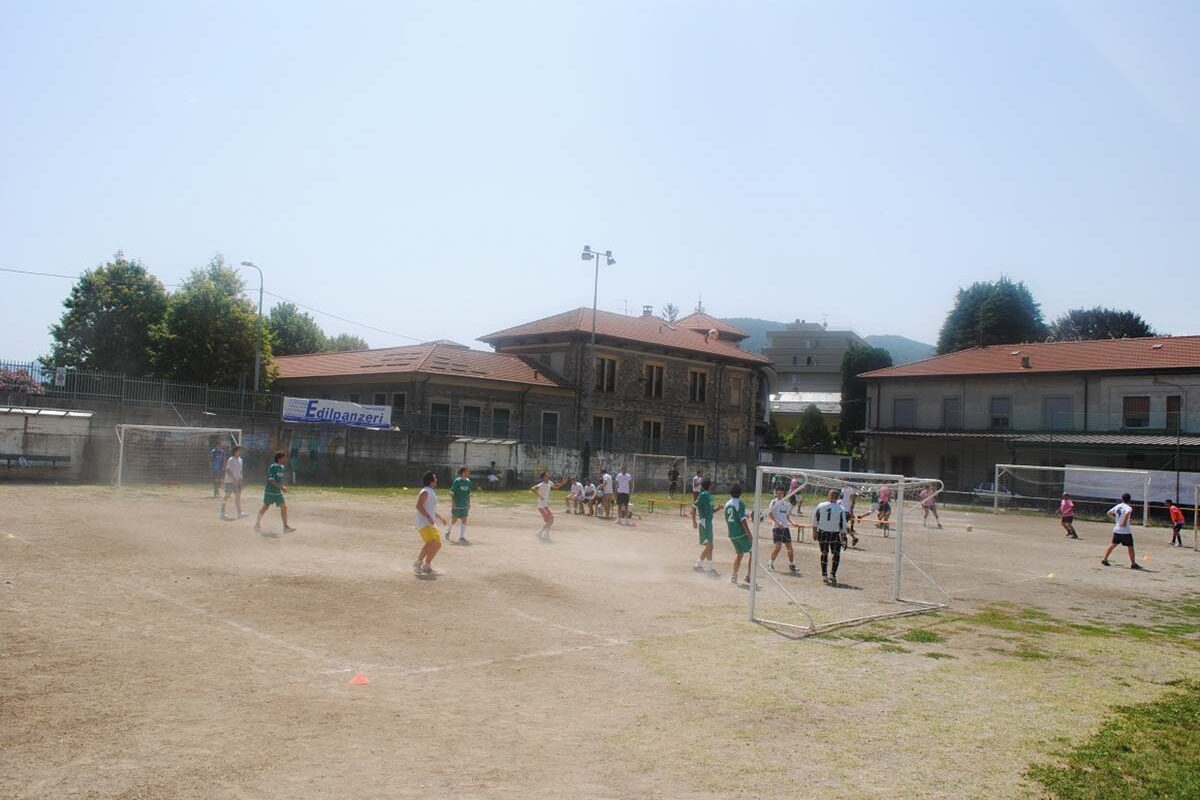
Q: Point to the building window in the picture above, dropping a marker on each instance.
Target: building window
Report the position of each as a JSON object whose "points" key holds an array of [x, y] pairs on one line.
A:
{"points": [[602, 432], [1135, 412], [952, 413], [1058, 414], [695, 441], [550, 428], [354, 397], [606, 374], [651, 436], [902, 465], [950, 472], [795, 360], [1174, 413], [735, 391], [439, 418], [501, 417], [399, 402], [904, 413], [471, 416], [697, 386], [380, 398], [1001, 413], [653, 379]]}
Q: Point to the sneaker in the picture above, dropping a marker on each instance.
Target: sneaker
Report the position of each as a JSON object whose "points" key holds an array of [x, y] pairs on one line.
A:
{"points": [[697, 568], [824, 579], [770, 566], [1135, 566], [792, 569], [733, 579], [417, 566], [429, 570], [448, 537], [463, 540], [226, 517], [1104, 561], [242, 515], [286, 529], [854, 540]]}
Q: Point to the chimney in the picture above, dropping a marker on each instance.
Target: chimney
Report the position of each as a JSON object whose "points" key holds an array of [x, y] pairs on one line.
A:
{"points": [[647, 311], [1025, 362]]}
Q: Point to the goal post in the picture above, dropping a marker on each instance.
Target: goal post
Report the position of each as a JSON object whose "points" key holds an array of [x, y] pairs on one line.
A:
{"points": [[1094, 489], [896, 580], [651, 471], [168, 453]]}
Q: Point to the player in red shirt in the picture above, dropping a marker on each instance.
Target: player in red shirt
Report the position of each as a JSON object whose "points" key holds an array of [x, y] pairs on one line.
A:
{"points": [[1176, 523]]}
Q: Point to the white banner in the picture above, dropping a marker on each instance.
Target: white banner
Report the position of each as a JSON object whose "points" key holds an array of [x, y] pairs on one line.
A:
{"points": [[1081, 483], [336, 412]]}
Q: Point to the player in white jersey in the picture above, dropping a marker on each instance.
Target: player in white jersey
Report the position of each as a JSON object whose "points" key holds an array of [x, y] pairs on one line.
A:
{"points": [[780, 512], [606, 493], [1121, 514], [589, 497], [847, 499], [624, 483], [542, 491], [576, 496], [233, 483], [427, 523], [697, 488], [829, 526]]}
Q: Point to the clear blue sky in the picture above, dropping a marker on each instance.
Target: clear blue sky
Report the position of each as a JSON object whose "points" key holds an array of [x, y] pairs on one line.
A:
{"points": [[434, 168]]}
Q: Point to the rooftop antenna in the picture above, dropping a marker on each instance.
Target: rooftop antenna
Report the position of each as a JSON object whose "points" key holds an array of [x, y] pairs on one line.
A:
{"points": [[700, 303], [626, 302]]}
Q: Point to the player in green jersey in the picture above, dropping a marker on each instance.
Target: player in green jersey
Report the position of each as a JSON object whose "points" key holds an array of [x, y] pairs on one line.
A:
{"points": [[703, 511], [460, 492], [739, 531], [273, 494]]}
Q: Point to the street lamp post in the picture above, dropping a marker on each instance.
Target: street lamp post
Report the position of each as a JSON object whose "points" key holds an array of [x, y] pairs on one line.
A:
{"points": [[589, 254], [258, 354]]}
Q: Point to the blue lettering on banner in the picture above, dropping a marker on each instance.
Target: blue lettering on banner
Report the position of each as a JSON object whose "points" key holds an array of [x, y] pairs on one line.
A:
{"points": [[336, 412]]}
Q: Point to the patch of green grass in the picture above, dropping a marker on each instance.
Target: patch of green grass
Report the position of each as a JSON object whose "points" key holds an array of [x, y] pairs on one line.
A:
{"points": [[867, 636], [1145, 751], [922, 636], [893, 648], [1028, 653], [938, 656]]}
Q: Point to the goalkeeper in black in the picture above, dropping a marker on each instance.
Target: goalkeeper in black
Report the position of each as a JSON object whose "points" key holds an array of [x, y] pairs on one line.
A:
{"points": [[829, 526]]}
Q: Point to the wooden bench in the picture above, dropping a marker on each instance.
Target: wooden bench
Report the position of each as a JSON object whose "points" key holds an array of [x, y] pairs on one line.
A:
{"points": [[21, 460]]}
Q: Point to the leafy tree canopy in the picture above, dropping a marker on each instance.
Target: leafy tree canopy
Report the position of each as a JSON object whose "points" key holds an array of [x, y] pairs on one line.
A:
{"points": [[811, 434], [985, 313], [294, 332], [857, 360], [345, 342], [110, 317], [1098, 323]]}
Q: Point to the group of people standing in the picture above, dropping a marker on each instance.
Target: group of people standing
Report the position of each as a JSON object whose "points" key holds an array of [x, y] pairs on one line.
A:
{"points": [[229, 473], [596, 498]]}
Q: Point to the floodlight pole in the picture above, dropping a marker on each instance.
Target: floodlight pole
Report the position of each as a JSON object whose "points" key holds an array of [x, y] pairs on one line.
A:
{"points": [[589, 386], [259, 354]]}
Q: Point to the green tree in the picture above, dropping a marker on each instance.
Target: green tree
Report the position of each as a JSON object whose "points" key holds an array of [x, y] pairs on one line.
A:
{"points": [[345, 342], [293, 332], [1098, 323], [987, 313], [857, 360], [670, 312], [210, 333], [110, 317], [811, 434]]}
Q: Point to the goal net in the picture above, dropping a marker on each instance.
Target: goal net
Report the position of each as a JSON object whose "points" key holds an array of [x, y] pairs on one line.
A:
{"points": [[882, 568], [652, 472], [1094, 490], [167, 454]]}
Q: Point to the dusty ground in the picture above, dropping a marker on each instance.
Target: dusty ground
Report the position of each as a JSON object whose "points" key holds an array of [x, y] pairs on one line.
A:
{"points": [[148, 650]]}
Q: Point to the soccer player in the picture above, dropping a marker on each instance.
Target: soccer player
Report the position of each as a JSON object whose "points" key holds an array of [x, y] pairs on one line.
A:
{"points": [[697, 488], [233, 483], [704, 507], [1066, 512], [606, 493], [273, 494], [673, 480], [884, 513], [624, 489], [846, 499], [576, 496], [928, 498], [780, 512], [1120, 514], [589, 497], [739, 531], [460, 493], [216, 458], [542, 490], [829, 526], [428, 520], [1176, 523]]}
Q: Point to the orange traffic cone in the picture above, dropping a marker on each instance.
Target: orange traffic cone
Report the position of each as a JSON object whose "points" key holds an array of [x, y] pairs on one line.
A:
{"points": [[359, 680]]}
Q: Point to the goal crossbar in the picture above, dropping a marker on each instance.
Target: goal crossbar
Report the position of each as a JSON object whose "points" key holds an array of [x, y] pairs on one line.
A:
{"points": [[1012, 469], [234, 434], [911, 606]]}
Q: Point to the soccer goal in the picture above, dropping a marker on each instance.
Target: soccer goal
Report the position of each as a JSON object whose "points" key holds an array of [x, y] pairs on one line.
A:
{"points": [[651, 471], [169, 454], [879, 576], [1094, 490]]}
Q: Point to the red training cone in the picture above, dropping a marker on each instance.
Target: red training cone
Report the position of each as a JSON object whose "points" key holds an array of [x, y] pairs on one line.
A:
{"points": [[359, 680]]}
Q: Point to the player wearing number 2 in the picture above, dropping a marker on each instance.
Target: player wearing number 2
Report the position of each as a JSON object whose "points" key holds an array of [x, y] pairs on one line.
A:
{"points": [[739, 531]]}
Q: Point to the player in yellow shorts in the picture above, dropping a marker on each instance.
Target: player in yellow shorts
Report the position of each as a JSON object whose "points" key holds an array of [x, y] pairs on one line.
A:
{"points": [[428, 520]]}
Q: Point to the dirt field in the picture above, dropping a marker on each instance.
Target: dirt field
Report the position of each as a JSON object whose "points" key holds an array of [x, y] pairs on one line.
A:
{"points": [[149, 650]]}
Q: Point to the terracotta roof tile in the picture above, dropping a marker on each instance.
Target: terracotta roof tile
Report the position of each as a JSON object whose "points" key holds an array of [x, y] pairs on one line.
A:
{"points": [[644, 330], [433, 358], [699, 321], [1106, 355]]}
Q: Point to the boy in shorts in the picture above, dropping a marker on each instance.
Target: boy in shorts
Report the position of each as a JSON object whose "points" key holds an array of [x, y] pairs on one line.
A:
{"points": [[274, 491], [1066, 511], [460, 493], [427, 523], [1176, 523], [1120, 514], [233, 483], [589, 498], [739, 531], [703, 508], [780, 512]]}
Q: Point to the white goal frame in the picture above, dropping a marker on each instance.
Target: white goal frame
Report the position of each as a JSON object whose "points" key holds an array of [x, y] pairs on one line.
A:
{"points": [[643, 458], [910, 606], [1063, 470], [234, 434]]}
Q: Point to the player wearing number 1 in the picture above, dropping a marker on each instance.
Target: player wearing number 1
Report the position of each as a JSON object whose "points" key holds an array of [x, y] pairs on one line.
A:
{"points": [[829, 524], [460, 492]]}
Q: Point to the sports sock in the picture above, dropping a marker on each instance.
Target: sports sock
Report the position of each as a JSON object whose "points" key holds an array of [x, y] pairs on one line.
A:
{"points": [[462, 530]]}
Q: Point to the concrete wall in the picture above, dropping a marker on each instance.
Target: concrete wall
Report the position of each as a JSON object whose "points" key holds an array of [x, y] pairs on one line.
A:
{"points": [[44, 435]]}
